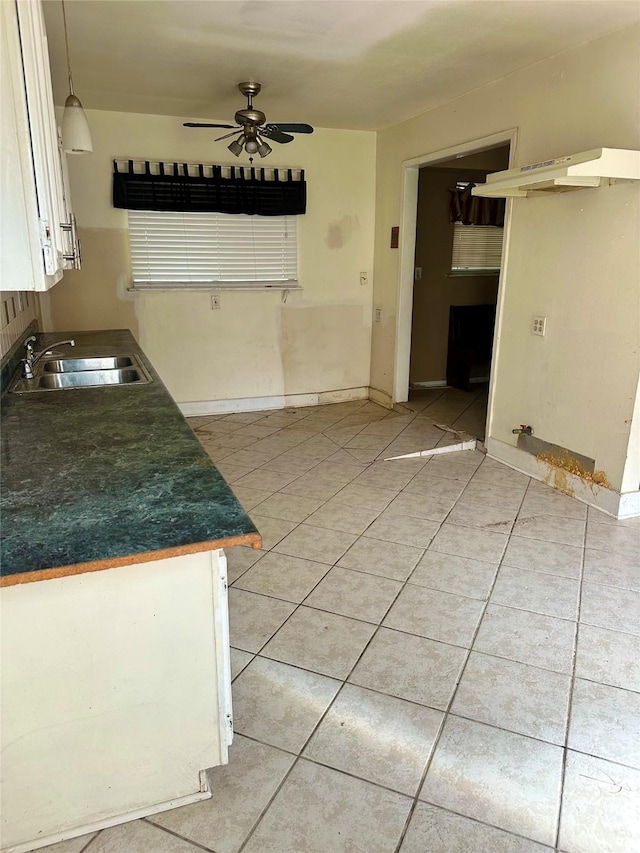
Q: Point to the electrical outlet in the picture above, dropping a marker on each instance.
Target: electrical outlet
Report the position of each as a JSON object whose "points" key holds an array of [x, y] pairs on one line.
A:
{"points": [[215, 300], [364, 278], [418, 274], [539, 326], [378, 315]]}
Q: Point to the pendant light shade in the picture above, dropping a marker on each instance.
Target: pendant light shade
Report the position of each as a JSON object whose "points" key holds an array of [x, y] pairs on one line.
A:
{"points": [[76, 136]]}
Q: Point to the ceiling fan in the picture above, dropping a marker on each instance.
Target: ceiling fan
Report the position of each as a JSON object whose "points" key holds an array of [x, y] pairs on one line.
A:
{"points": [[252, 127]]}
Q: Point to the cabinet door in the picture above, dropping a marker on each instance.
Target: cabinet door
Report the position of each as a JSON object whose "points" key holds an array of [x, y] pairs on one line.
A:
{"points": [[21, 262], [45, 146], [35, 194]]}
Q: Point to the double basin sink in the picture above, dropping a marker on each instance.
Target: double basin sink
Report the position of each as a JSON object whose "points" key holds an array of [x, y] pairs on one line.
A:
{"points": [[55, 374]]}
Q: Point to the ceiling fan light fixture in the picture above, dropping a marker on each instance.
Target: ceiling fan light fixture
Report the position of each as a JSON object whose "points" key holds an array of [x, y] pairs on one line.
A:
{"points": [[76, 136], [264, 148], [236, 146], [252, 128]]}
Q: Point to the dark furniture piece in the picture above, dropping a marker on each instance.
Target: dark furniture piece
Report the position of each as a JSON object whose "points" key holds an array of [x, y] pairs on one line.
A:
{"points": [[470, 343]]}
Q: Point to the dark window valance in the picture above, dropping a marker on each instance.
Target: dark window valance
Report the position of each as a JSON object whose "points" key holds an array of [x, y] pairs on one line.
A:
{"points": [[209, 189], [469, 209]]}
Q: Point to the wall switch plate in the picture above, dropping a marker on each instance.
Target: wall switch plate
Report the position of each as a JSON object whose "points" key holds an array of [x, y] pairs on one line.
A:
{"points": [[377, 315], [215, 300], [364, 278], [539, 326], [418, 274]]}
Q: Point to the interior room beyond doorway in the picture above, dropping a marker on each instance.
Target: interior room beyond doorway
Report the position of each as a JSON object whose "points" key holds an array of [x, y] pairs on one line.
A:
{"points": [[454, 296]]}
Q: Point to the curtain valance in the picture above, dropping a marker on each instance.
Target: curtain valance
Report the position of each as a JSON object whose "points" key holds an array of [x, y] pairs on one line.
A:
{"points": [[469, 209], [208, 189]]}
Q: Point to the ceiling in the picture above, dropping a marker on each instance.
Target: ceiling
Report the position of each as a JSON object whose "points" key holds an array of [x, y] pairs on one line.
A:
{"points": [[355, 64]]}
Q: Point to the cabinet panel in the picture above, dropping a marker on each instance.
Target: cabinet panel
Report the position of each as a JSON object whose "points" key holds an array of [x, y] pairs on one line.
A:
{"points": [[42, 210], [19, 240], [110, 694]]}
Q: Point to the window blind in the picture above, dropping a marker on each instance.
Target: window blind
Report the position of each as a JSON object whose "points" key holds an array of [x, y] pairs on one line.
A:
{"points": [[191, 250], [476, 247]]}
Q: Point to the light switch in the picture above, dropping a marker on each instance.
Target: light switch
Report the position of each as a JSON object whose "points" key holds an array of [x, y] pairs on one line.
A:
{"points": [[215, 300]]}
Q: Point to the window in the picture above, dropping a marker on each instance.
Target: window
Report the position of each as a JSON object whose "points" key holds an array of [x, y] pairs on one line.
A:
{"points": [[476, 249], [185, 250]]}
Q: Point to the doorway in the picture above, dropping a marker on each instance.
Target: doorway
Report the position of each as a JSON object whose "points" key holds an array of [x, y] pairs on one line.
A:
{"points": [[455, 289], [447, 306]]}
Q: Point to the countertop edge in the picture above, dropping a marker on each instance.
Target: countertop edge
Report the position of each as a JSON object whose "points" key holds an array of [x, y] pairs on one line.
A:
{"points": [[253, 539]]}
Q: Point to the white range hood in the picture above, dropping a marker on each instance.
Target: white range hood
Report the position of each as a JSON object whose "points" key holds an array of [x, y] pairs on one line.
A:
{"points": [[600, 167]]}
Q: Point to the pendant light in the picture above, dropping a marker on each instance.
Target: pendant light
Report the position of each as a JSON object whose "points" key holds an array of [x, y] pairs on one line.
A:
{"points": [[76, 136]]}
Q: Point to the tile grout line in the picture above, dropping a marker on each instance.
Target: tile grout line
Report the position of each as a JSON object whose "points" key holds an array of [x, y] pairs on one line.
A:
{"points": [[565, 751], [195, 844], [499, 485], [329, 706], [447, 711], [256, 654]]}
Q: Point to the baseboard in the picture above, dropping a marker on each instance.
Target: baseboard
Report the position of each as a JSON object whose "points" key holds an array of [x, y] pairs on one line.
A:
{"points": [[606, 500], [260, 404], [442, 383], [471, 444], [344, 395], [380, 397], [430, 383], [629, 505]]}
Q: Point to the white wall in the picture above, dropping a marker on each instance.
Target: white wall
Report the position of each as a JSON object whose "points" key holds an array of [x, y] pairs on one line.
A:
{"points": [[573, 257], [255, 345]]}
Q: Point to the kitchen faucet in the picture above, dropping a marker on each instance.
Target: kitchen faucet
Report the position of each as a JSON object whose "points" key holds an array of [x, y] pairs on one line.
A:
{"points": [[32, 358]]}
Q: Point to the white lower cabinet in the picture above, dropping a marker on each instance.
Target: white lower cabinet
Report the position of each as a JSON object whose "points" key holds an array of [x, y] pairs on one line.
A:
{"points": [[116, 696]]}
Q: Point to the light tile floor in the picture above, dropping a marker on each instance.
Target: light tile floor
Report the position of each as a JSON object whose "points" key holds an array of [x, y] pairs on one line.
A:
{"points": [[429, 656]]}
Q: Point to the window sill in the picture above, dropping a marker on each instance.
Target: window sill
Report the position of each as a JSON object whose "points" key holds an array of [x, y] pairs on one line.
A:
{"points": [[210, 287], [476, 273]]}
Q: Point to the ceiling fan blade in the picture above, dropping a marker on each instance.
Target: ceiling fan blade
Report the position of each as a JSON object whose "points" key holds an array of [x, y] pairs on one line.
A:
{"points": [[272, 132], [294, 128], [200, 124], [227, 135]]}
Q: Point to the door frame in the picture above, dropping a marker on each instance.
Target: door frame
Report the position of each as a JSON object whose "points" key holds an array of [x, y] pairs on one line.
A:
{"points": [[407, 248]]}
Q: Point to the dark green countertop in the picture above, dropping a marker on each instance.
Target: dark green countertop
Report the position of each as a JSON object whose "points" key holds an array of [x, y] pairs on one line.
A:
{"points": [[95, 478]]}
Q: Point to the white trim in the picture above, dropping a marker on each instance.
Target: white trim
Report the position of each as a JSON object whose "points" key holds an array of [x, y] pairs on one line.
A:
{"points": [[442, 383], [381, 398], [430, 383], [260, 404], [342, 395], [406, 281], [436, 451], [606, 500], [408, 221], [76, 832], [629, 505]]}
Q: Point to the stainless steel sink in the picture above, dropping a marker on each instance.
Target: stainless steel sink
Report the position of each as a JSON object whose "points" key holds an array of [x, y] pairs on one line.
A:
{"points": [[90, 378], [70, 365], [92, 372]]}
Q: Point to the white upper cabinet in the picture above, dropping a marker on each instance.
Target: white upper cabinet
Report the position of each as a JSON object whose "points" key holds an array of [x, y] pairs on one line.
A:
{"points": [[37, 229]]}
